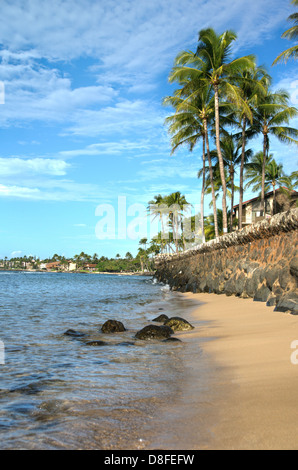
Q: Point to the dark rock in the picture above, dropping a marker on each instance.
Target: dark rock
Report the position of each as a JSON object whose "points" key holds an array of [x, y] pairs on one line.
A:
{"points": [[251, 285], [284, 278], [161, 318], [271, 274], [74, 333], [294, 267], [154, 332], [262, 294], [126, 343], [288, 303], [240, 284], [178, 324], [172, 340], [96, 343], [112, 326], [271, 301]]}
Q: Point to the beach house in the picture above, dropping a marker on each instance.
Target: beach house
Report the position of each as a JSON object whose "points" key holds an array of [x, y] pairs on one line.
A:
{"points": [[274, 204]]}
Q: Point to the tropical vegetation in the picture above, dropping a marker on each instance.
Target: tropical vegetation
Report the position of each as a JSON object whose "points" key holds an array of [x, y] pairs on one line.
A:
{"points": [[291, 33], [222, 103]]}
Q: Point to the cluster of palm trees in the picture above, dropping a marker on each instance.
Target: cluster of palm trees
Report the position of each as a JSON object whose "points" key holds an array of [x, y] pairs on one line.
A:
{"points": [[223, 103], [178, 226]]}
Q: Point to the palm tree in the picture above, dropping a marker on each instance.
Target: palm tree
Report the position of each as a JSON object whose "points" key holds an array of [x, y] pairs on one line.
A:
{"points": [[272, 112], [194, 109], [214, 51], [232, 152], [209, 224], [253, 83], [253, 171], [291, 33], [158, 209], [210, 66], [274, 173], [176, 203], [289, 184]]}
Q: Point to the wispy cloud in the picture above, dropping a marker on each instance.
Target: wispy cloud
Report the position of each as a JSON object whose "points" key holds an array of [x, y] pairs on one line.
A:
{"points": [[16, 166], [130, 42]]}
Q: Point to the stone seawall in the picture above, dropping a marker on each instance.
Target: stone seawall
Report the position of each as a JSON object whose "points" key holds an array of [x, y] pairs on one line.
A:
{"points": [[260, 261]]}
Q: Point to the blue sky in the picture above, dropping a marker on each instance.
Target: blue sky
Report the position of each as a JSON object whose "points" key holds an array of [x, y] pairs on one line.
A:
{"points": [[82, 123]]}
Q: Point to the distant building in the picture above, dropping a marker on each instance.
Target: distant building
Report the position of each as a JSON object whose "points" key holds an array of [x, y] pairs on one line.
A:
{"points": [[252, 210], [54, 265], [90, 266], [71, 266]]}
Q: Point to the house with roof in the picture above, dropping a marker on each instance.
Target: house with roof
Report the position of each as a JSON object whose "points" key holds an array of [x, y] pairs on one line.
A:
{"points": [[252, 211], [55, 265], [90, 266]]}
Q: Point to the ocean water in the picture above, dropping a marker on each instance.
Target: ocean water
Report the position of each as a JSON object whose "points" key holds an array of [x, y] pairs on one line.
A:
{"points": [[57, 392]]}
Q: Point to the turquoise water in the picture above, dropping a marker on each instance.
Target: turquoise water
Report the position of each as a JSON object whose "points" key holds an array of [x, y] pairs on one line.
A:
{"points": [[57, 392]]}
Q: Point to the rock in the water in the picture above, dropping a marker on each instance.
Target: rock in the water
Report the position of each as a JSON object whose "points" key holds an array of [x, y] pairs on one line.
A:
{"points": [[112, 326], [74, 333], [154, 332], [161, 318], [96, 343], [178, 324]]}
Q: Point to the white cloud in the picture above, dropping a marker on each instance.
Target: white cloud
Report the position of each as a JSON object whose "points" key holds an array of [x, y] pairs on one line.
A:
{"points": [[131, 43], [16, 253], [15, 166], [110, 148], [124, 117], [33, 92], [19, 192]]}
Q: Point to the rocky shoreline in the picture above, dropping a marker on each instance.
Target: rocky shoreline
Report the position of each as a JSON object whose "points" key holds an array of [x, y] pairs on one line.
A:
{"points": [[259, 262]]}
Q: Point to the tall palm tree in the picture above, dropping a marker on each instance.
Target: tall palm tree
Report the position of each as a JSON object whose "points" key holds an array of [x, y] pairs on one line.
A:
{"points": [[209, 223], [271, 114], [291, 33], [253, 171], [232, 152], [214, 51], [158, 209], [194, 109], [253, 83], [273, 175], [210, 66], [176, 203]]}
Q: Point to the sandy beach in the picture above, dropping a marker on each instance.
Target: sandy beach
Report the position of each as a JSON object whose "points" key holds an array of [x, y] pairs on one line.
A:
{"points": [[256, 388]]}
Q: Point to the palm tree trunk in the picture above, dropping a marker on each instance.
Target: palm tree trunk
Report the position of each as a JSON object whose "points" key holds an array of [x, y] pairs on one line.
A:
{"points": [[232, 198], [203, 192], [211, 179], [241, 173], [274, 199], [263, 174], [220, 161]]}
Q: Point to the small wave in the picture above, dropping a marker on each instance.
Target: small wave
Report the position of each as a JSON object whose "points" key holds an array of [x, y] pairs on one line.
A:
{"points": [[165, 288]]}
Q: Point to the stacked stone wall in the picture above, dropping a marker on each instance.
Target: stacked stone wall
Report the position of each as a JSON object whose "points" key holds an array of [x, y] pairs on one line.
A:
{"points": [[259, 262]]}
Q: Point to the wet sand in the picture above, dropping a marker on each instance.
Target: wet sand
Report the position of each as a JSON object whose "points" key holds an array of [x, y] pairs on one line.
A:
{"points": [[254, 397]]}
